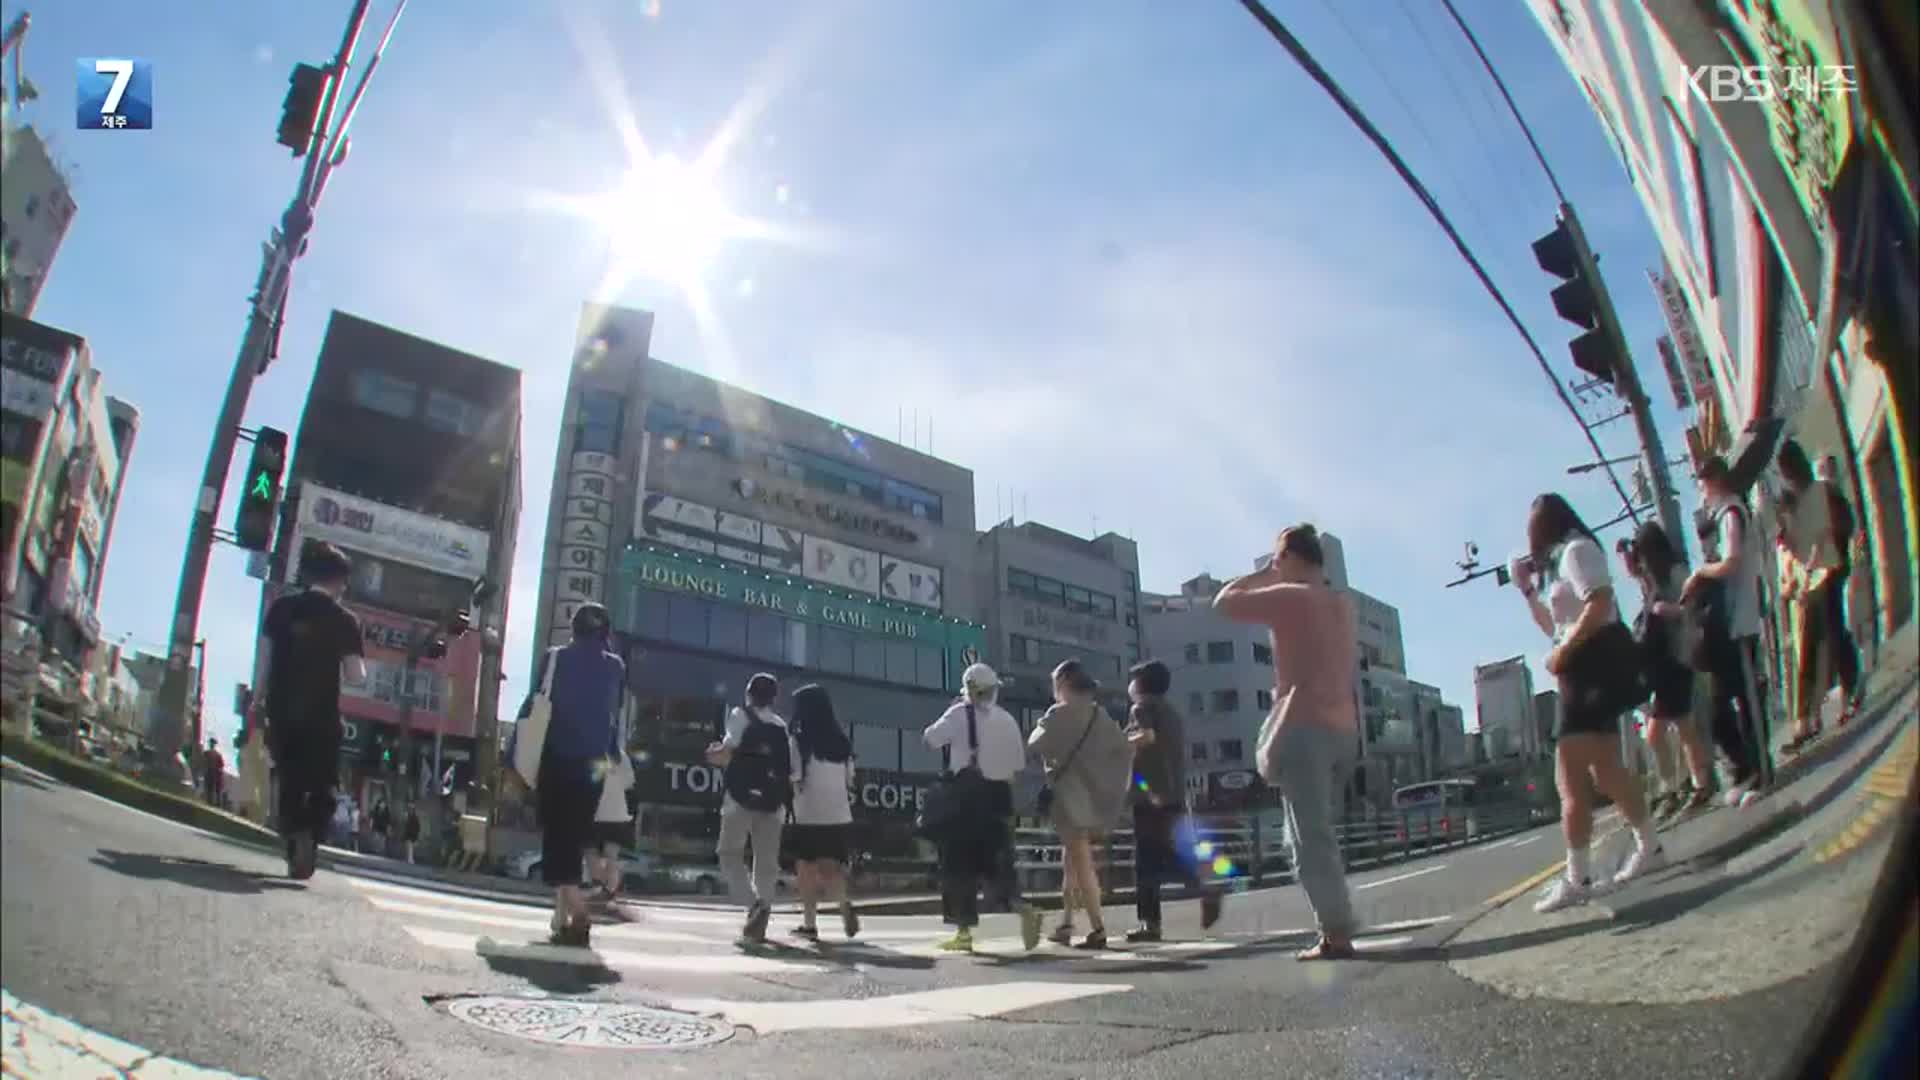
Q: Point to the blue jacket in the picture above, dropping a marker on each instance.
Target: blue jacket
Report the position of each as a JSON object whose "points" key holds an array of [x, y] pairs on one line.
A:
{"points": [[588, 683]]}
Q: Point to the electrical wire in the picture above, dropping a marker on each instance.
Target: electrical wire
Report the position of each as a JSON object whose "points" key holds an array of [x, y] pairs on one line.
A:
{"points": [[1487, 62], [1312, 67]]}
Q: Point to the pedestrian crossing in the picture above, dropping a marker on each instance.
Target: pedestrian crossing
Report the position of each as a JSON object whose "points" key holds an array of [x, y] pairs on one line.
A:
{"points": [[660, 939]]}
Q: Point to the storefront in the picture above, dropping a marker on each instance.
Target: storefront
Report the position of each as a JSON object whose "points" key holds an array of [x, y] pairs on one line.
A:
{"points": [[695, 629]]}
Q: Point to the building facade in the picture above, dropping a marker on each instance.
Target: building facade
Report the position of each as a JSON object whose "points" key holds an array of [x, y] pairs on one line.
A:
{"points": [[728, 534], [36, 207], [1785, 209], [66, 449], [1503, 697], [407, 458], [1222, 684]]}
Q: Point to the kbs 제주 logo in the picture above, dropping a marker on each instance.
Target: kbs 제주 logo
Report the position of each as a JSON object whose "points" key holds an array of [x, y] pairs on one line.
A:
{"points": [[114, 93]]}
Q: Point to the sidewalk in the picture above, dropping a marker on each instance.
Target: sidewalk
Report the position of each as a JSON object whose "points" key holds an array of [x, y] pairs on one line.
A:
{"points": [[1756, 897]]}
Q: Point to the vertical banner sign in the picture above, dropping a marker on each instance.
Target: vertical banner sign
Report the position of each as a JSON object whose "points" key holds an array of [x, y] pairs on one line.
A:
{"points": [[1690, 351], [586, 526], [1676, 379]]}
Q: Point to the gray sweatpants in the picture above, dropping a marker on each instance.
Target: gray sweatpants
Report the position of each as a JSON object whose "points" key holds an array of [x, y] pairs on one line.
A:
{"points": [[1315, 763], [738, 827]]}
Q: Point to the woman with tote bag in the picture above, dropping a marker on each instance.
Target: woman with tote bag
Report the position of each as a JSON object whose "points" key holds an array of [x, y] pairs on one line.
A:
{"points": [[1089, 764]]}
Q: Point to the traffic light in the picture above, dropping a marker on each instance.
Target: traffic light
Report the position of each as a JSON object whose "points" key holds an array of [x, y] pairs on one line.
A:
{"points": [[260, 498], [300, 112], [1580, 297]]}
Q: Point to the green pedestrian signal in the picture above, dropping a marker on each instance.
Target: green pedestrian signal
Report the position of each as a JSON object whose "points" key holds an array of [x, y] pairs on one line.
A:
{"points": [[260, 499]]}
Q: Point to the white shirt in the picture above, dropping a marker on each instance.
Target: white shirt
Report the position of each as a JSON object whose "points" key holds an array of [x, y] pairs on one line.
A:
{"points": [[821, 796], [1579, 567], [1743, 585], [1003, 753], [1810, 529], [737, 727]]}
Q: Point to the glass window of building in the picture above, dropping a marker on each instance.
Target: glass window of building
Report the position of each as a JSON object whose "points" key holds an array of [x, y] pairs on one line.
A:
{"points": [[454, 414], [869, 659], [902, 665], [727, 630], [833, 650], [1052, 592], [1021, 583], [384, 393], [1199, 751], [877, 747], [931, 667], [650, 614], [1230, 750], [687, 621], [1226, 701], [1263, 654], [1264, 699], [1219, 652], [1193, 652], [1104, 607], [767, 637], [597, 427], [916, 755], [1079, 600], [1196, 702]]}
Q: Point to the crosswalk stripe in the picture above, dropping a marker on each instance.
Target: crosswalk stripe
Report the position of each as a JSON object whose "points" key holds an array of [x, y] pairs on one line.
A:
{"points": [[678, 963], [538, 925]]}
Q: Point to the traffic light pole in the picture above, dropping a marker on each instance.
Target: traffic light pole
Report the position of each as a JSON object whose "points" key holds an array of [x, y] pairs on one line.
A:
{"points": [[266, 308], [1626, 381]]}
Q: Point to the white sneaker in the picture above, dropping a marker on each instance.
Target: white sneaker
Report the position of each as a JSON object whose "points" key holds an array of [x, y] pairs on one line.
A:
{"points": [[1741, 797], [1562, 894], [1641, 863]]}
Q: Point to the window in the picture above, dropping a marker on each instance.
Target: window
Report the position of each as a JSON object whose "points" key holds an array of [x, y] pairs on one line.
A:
{"points": [[1219, 652], [597, 427], [902, 665], [1021, 583], [33, 205], [916, 755], [1231, 750], [1196, 703], [1264, 699], [687, 621], [1193, 652], [1226, 701], [1263, 654], [450, 413], [1199, 750], [767, 637], [1052, 592], [876, 747], [931, 668], [384, 393], [650, 614], [1104, 607], [727, 630], [833, 650], [1079, 600], [869, 659]]}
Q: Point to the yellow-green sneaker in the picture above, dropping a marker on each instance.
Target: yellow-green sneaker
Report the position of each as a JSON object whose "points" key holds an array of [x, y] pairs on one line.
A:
{"points": [[961, 942]]}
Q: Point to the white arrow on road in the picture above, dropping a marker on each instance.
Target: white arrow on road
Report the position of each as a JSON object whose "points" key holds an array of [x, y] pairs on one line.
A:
{"points": [[948, 1006]]}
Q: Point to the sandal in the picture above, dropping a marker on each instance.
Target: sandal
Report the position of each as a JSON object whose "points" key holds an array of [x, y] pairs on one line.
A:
{"points": [[1326, 949]]}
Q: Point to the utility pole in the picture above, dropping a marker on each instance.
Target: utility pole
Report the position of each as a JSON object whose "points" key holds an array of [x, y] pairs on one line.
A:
{"points": [[1626, 382], [325, 147]]}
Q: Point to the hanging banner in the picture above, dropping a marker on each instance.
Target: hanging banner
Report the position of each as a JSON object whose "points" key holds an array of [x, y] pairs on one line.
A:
{"points": [[586, 530], [668, 519], [832, 563], [1676, 378], [910, 582], [1691, 352], [389, 532]]}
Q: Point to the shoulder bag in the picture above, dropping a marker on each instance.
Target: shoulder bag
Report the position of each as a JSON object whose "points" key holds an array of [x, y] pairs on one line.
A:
{"points": [[958, 795], [530, 732], [1045, 804]]}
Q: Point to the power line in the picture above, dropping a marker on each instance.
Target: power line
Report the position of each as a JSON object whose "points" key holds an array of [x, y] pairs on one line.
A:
{"points": [[1319, 75], [1493, 73]]}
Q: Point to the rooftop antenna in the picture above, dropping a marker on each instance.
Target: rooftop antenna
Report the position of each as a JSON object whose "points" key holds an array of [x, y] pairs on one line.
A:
{"points": [[900, 428]]}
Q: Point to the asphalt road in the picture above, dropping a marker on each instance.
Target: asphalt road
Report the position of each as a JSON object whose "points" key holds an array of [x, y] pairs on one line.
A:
{"points": [[196, 948]]}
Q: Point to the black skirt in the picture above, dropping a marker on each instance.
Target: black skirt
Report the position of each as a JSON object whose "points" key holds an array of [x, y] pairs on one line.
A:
{"points": [[817, 843]]}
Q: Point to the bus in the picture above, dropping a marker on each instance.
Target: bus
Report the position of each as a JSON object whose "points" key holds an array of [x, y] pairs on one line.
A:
{"points": [[1437, 811]]}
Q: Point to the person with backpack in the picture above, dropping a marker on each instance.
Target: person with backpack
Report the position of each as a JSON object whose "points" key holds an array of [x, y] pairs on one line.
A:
{"points": [[1667, 636], [818, 839], [585, 696], [1846, 651], [760, 766], [977, 734]]}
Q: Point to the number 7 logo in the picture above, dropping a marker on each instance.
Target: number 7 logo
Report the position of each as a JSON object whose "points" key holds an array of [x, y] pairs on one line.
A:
{"points": [[113, 93], [122, 72]]}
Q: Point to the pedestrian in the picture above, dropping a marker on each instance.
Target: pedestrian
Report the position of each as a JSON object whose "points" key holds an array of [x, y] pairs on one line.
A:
{"points": [[1725, 596], [613, 817], [1088, 765], [975, 732], [1307, 746], [1814, 560], [1571, 596], [1163, 847], [215, 772], [819, 840], [1667, 636], [759, 766], [411, 834], [312, 644], [1846, 650], [585, 696], [382, 825]]}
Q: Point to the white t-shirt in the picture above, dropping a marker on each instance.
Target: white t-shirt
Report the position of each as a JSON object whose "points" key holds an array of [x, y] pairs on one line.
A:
{"points": [[1743, 586], [820, 798], [1003, 753], [1579, 567], [737, 727]]}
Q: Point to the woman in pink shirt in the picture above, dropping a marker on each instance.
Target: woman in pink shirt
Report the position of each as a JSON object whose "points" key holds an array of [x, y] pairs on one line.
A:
{"points": [[1310, 742]]}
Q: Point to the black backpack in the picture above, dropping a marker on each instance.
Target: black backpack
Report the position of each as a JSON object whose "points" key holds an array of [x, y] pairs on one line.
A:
{"points": [[759, 776]]}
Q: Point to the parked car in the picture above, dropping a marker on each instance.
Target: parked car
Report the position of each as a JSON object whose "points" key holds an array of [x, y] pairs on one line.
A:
{"points": [[705, 879], [636, 867]]}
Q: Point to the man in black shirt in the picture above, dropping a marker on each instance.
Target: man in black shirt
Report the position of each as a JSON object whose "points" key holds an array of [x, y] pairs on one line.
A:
{"points": [[312, 643]]}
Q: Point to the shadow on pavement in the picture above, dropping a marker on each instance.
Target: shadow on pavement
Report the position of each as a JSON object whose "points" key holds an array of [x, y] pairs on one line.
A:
{"points": [[851, 954], [552, 975], [196, 873], [24, 779]]}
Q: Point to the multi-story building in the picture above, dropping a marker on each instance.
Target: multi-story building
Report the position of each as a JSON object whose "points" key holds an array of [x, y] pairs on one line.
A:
{"points": [[1786, 213], [1381, 643], [728, 534], [407, 458], [66, 450], [1546, 716], [1222, 684], [36, 206], [1503, 697]]}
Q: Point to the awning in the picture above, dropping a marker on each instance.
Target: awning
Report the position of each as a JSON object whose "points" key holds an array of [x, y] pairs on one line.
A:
{"points": [[1753, 451]]}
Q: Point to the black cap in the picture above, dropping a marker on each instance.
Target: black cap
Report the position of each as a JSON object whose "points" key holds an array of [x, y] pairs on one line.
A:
{"points": [[590, 620]]}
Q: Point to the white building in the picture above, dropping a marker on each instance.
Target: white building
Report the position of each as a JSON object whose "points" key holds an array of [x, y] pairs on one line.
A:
{"points": [[1222, 680], [36, 206], [1503, 692]]}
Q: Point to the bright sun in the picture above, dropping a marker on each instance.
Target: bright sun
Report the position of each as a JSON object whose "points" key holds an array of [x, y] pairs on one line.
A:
{"points": [[666, 221]]}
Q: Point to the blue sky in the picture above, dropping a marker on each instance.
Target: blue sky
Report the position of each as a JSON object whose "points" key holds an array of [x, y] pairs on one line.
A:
{"points": [[1136, 266]]}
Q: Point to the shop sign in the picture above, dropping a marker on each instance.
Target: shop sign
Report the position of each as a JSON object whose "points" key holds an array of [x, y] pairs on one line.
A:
{"points": [[389, 532], [1081, 630], [585, 535], [1692, 353], [842, 517], [641, 567], [875, 792], [27, 396]]}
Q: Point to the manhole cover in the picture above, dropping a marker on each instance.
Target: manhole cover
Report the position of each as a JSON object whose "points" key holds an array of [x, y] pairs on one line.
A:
{"points": [[604, 1024]]}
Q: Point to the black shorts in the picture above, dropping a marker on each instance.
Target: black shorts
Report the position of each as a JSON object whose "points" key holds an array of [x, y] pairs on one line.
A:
{"points": [[1575, 720], [817, 843], [615, 833], [1673, 691], [568, 794]]}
